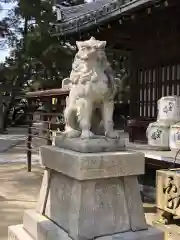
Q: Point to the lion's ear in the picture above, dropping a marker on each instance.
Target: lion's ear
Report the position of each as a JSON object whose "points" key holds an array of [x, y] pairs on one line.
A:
{"points": [[102, 44], [79, 44]]}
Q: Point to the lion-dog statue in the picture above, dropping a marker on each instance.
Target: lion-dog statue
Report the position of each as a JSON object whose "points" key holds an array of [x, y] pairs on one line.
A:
{"points": [[92, 88]]}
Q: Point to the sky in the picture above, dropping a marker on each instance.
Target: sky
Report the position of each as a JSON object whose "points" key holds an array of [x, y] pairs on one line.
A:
{"points": [[3, 12]]}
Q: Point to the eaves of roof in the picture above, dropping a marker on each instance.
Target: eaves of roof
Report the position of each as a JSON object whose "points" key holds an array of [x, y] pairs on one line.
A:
{"points": [[81, 17]]}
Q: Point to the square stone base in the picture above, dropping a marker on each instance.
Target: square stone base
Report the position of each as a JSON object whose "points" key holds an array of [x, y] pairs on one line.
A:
{"points": [[150, 234], [92, 194], [19, 233], [92, 145], [36, 227], [88, 166]]}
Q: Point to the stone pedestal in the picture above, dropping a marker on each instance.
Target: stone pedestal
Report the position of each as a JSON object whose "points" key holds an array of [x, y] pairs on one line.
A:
{"points": [[92, 145], [87, 196]]}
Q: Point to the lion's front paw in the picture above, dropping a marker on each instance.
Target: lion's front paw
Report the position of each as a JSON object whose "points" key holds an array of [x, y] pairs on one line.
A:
{"points": [[72, 133], [86, 134], [113, 134]]}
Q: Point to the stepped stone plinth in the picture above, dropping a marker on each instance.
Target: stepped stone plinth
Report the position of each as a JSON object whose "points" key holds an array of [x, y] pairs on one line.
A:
{"points": [[87, 196]]}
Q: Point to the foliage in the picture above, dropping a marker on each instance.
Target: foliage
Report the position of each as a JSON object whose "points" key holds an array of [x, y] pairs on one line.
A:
{"points": [[36, 60], [36, 55], [40, 60]]}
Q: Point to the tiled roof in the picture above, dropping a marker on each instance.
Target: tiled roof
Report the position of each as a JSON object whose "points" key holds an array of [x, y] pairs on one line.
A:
{"points": [[80, 17]]}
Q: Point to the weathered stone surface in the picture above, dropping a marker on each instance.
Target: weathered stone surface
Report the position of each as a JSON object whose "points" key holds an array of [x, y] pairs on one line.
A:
{"points": [[41, 228], [83, 166], [92, 87], [92, 145], [47, 230], [18, 233], [88, 209], [134, 203], [149, 234], [44, 191], [66, 83]]}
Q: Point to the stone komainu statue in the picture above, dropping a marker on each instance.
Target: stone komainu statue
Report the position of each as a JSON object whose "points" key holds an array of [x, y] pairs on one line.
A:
{"points": [[92, 89]]}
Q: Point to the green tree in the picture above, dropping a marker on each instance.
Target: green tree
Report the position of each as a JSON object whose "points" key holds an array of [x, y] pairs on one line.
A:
{"points": [[37, 60]]}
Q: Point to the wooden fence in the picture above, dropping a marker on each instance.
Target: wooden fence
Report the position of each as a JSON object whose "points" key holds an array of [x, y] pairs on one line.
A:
{"points": [[41, 129], [154, 83]]}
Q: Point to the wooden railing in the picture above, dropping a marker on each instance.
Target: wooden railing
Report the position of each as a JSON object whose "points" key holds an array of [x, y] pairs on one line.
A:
{"points": [[44, 131]]}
